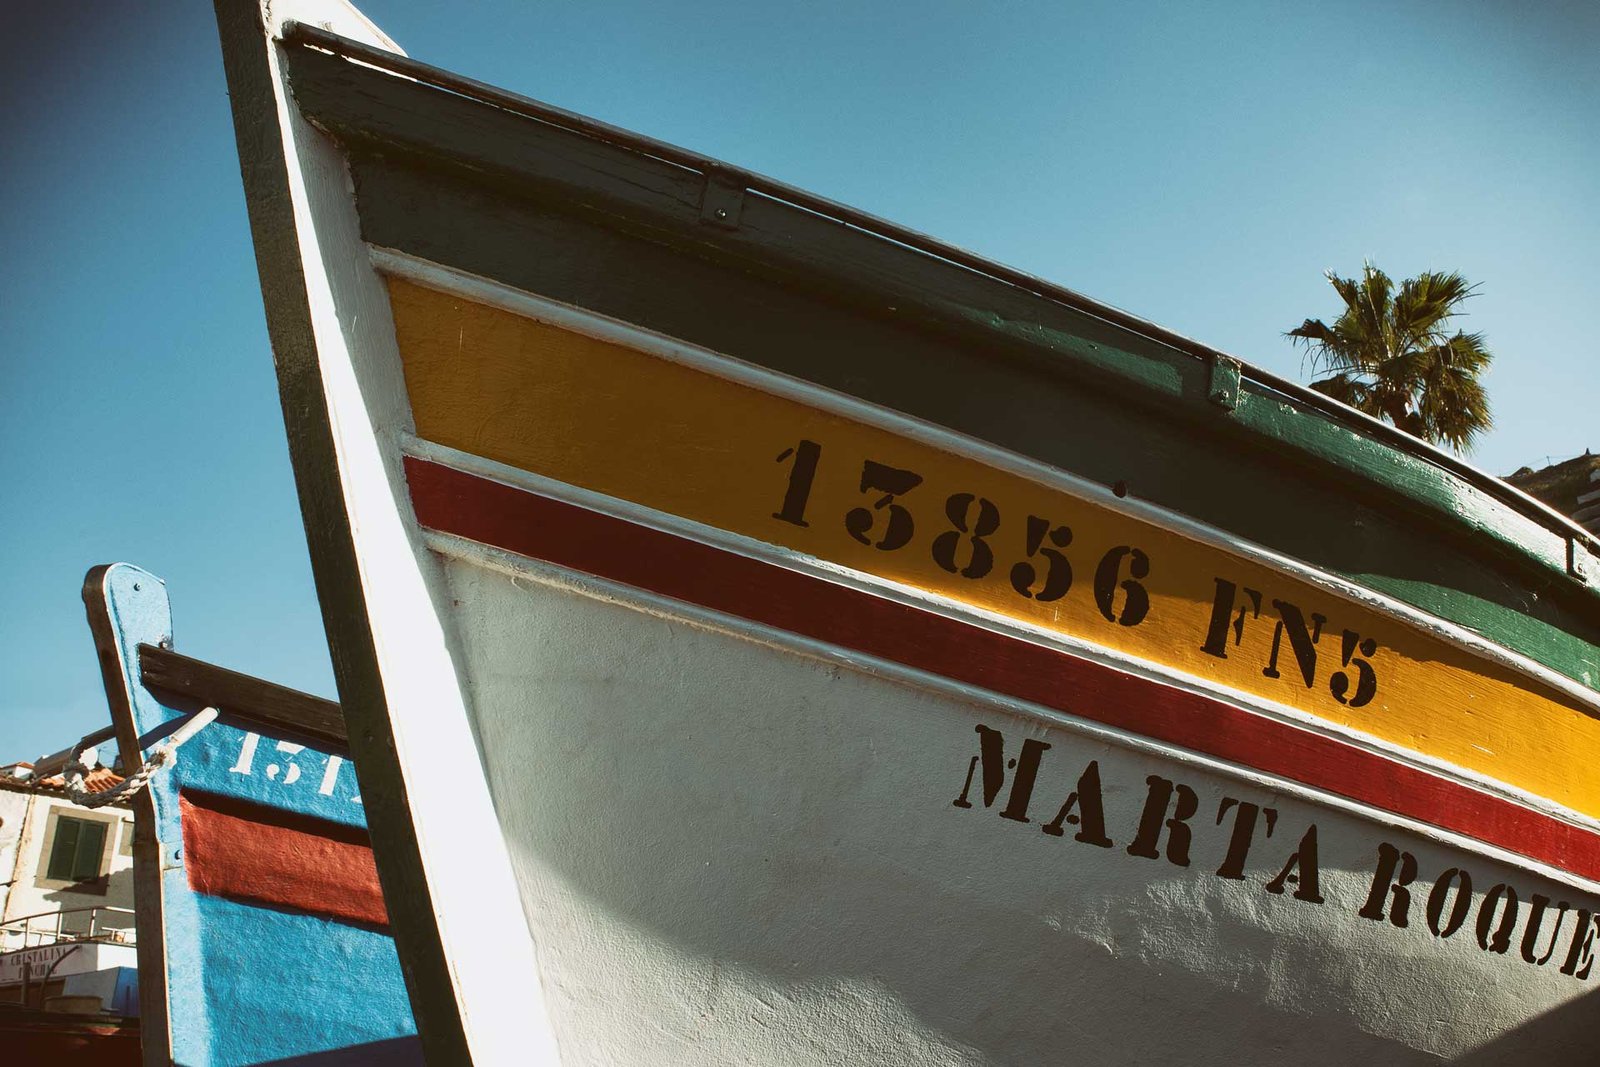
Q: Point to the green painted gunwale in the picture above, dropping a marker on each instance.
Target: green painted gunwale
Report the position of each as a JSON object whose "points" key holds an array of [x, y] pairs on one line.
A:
{"points": [[466, 176]]}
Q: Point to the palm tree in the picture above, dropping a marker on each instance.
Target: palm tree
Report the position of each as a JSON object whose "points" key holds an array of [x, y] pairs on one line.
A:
{"points": [[1391, 355]]}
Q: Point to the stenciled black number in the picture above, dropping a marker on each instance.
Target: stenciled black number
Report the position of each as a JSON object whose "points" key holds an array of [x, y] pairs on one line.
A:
{"points": [[801, 475], [1366, 679], [1136, 603], [945, 546], [1058, 572], [898, 527]]}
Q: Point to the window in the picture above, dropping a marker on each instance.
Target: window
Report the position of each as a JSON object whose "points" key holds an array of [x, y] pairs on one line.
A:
{"points": [[76, 850]]}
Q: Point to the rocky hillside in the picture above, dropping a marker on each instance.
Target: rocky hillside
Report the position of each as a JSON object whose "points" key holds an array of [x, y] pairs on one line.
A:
{"points": [[1560, 485]]}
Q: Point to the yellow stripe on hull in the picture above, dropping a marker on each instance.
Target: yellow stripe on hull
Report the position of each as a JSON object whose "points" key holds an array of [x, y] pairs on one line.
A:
{"points": [[670, 437]]}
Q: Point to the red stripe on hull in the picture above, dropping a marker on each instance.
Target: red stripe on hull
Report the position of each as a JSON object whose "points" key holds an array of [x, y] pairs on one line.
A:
{"points": [[259, 855], [532, 525]]}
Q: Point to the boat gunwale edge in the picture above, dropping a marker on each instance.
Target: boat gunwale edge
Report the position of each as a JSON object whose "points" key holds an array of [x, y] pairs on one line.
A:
{"points": [[1497, 489]]}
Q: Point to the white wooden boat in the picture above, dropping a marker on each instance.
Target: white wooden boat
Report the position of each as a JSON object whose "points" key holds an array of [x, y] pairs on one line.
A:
{"points": [[772, 636]]}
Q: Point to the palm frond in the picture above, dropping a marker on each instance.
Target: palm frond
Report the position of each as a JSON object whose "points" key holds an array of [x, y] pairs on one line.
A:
{"points": [[1326, 348], [1391, 354], [1345, 388], [1424, 305]]}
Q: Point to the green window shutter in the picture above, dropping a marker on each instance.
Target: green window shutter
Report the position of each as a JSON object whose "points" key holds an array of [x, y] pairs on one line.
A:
{"points": [[63, 850], [75, 853], [91, 844]]}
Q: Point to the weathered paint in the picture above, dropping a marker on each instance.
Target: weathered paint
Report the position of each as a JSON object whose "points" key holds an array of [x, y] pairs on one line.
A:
{"points": [[680, 440], [741, 848], [736, 843], [350, 974], [286, 974], [280, 860], [333, 352], [793, 289], [636, 556]]}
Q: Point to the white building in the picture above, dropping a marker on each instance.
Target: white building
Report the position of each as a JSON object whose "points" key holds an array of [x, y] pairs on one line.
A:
{"points": [[66, 895]]}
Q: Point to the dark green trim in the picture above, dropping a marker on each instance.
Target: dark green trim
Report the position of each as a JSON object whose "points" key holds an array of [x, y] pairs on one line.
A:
{"points": [[1027, 405], [621, 231], [725, 184]]}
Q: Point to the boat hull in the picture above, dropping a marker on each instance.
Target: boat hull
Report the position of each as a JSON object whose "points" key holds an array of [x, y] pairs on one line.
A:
{"points": [[771, 636], [736, 849], [69, 1040], [263, 935]]}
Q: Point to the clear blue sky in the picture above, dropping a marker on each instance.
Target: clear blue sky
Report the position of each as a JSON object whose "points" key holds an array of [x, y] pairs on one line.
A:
{"points": [[1198, 164]]}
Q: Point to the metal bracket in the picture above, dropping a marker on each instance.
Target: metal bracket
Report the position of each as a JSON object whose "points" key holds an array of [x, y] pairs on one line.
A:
{"points": [[1223, 389], [722, 201], [1580, 565]]}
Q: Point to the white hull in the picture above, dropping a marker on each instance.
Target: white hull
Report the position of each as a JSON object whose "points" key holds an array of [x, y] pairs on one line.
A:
{"points": [[699, 840], [731, 853]]}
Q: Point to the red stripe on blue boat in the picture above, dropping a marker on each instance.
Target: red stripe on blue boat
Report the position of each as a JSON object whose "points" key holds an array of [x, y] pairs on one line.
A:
{"points": [[259, 855]]}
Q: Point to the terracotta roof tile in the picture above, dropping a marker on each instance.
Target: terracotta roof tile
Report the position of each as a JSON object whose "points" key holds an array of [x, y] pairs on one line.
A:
{"points": [[96, 781]]}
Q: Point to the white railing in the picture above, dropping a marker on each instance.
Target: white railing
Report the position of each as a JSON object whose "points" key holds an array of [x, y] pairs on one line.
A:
{"points": [[98, 923]]}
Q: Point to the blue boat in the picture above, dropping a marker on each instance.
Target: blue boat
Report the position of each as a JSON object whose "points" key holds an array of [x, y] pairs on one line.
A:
{"points": [[263, 936]]}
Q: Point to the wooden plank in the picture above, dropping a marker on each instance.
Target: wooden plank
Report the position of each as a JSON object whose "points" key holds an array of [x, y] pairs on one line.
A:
{"points": [[56, 762], [685, 440], [371, 109], [244, 697], [1517, 567], [149, 895], [544, 528], [725, 180], [1028, 405], [271, 169], [653, 198]]}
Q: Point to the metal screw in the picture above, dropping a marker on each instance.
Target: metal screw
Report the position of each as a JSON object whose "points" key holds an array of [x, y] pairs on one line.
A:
{"points": [[722, 213], [135, 587]]}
